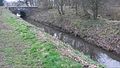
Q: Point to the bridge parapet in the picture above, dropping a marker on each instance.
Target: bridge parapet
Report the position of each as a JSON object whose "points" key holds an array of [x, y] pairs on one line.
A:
{"points": [[21, 3], [26, 10]]}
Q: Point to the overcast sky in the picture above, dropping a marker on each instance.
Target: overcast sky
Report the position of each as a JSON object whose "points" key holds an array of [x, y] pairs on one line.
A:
{"points": [[13, 0], [10, 0]]}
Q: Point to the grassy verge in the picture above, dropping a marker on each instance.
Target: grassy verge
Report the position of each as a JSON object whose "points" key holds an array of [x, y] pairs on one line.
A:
{"points": [[34, 53], [26, 51]]}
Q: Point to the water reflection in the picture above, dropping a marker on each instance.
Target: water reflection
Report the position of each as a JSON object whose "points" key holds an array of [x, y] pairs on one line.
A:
{"points": [[97, 54], [108, 61]]}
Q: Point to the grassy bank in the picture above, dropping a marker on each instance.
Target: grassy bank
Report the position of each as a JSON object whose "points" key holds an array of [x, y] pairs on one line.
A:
{"points": [[26, 46]]}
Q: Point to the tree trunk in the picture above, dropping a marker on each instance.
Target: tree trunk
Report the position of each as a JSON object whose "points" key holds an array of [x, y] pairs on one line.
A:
{"points": [[62, 7], [95, 10], [76, 8], [58, 9]]}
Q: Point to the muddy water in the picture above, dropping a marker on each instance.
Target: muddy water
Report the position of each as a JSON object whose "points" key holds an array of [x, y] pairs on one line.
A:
{"points": [[110, 60]]}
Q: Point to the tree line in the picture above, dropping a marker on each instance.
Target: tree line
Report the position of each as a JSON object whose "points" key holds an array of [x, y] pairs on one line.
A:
{"points": [[92, 5]]}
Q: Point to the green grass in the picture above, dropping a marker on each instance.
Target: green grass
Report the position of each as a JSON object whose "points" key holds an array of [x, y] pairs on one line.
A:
{"points": [[36, 53]]}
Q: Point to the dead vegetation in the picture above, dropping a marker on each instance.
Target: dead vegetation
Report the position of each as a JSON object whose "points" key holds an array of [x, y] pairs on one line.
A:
{"points": [[101, 32]]}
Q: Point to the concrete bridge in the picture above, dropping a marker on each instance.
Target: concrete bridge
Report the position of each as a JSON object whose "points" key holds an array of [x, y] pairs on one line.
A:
{"points": [[23, 11]]}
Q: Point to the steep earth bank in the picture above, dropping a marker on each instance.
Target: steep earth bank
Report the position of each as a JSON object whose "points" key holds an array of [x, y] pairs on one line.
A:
{"points": [[103, 33], [28, 46]]}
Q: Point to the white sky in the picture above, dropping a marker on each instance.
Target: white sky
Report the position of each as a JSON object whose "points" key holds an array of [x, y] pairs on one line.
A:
{"points": [[10, 0], [13, 0]]}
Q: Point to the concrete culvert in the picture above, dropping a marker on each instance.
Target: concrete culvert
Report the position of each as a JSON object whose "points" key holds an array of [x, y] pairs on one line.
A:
{"points": [[23, 14]]}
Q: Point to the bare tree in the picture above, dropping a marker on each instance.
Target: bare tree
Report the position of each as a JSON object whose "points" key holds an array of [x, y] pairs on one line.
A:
{"points": [[31, 2], [60, 4], [94, 6], [76, 3], [1, 2]]}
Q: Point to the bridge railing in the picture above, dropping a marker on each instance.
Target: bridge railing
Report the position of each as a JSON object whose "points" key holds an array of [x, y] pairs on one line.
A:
{"points": [[26, 3], [23, 6]]}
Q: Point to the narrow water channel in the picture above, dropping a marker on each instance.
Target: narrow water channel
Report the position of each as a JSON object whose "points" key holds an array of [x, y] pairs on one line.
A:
{"points": [[108, 59]]}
